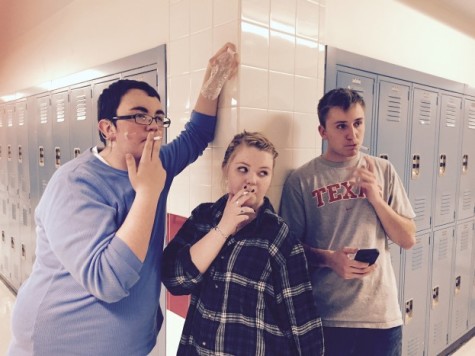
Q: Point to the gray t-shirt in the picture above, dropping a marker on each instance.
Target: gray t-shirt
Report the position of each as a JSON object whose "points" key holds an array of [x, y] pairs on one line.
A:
{"points": [[326, 212]]}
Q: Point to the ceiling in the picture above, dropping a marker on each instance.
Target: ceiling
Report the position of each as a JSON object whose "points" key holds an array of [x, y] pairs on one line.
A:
{"points": [[20, 16]]}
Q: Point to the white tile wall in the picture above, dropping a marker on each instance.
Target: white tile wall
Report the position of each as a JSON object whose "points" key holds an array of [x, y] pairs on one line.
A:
{"points": [[280, 80]]}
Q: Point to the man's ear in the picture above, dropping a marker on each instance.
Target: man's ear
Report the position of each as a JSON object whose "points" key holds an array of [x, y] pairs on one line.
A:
{"points": [[322, 132], [107, 129]]}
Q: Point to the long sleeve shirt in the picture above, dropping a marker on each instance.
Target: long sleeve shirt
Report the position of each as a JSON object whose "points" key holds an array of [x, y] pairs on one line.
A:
{"points": [[254, 299], [88, 294]]}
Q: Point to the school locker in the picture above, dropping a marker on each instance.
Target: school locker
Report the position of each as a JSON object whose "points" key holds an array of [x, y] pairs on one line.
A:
{"points": [[416, 274], [364, 84], [60, 115], [466, 196], [440, 290], [392, 118], [422, 152], [472, 293], [81, 120], [447, 166], [461, 280], [3, 150], [11, 142], [44, 150]]}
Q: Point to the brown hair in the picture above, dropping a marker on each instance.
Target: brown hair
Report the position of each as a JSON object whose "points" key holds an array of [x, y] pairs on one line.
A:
{"points": [[251, 139]]}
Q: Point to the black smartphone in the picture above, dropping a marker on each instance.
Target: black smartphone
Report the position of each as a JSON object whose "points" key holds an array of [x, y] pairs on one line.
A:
{"points": [[369, 255]]}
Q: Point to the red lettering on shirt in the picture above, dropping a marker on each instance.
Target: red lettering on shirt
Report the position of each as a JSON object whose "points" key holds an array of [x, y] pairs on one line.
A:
{"points": [[332, 193]]}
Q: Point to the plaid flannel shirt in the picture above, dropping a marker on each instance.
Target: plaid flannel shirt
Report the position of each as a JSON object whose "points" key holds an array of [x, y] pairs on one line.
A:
{"points": [[255, 298]]}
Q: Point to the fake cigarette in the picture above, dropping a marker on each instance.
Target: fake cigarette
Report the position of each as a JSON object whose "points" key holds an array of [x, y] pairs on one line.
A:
{"points": [[156, 138], [364, 148]]}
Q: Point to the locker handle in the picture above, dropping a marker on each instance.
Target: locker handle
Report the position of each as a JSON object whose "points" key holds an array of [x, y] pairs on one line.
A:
{"points": [[9, 152], [23, 251], [464, 164], [458, 284], [77, 152], [3, 236], [435, 296], [416, 166], [20, 154], [12, 242], [442, 164], [41, 158], [384, 156], [57, 157], [409, 311]]}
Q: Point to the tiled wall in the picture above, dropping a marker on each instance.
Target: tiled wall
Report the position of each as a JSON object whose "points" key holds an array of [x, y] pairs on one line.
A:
{"points": [[280, 79]]}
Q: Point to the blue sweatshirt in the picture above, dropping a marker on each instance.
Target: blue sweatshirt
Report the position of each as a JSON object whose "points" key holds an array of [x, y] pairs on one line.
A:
{"points": [[88, 294]]}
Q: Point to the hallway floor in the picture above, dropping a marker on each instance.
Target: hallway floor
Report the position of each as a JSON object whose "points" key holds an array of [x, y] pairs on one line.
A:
{"points": [[7, 299]]}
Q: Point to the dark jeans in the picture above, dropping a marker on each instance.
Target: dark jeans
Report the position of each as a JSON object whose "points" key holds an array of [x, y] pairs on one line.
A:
{"points": [[362, 342]]}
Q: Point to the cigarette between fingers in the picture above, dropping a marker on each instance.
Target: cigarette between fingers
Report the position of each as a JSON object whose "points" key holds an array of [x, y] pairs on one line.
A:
{"points": [[156, 138]]}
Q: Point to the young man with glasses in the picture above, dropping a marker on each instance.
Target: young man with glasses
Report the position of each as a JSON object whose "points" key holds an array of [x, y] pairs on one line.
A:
{"points": [[337, 203], [95, 284]]}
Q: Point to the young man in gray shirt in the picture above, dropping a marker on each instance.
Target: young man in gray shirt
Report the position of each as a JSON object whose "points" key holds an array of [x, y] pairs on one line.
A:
{"points": [[338, 203]]}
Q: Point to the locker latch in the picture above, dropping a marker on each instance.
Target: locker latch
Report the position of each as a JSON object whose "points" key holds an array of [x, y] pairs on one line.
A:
{"points": [[41, 158], [23, 251], [57, 157], [409, 311], [77, 152], [458, 284], [416, 164], [464, 164], [384, 156], [435, 296], [12, 242], [9, 152], [3, 236], [442, 164], [20, 154]]}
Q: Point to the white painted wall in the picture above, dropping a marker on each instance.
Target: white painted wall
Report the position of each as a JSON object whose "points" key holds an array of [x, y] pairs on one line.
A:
{"points": [[393, 32]]}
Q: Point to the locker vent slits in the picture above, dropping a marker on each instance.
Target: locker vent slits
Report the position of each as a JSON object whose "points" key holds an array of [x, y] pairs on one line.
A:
{"points": [[424, 112], [394, 109], [60, 110], [43, 112], [443, 248], [81, 107], [445, 204], [450, 115]]}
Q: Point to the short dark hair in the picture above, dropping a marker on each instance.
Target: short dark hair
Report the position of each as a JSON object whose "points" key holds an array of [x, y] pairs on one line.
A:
{"points": [[250, 139], [341, 98], [110, 98]]}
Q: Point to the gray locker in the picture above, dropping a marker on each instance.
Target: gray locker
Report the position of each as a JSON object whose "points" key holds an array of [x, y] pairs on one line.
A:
{"points": [[447, 165], [395, 253], [97, 89], [81, 120], [60, 115], [472, 293], [393, 110], [424, 124], [45, 148], [364, 84], [461, 280], [11, 135], [3, 150], [13, 241], [440, 291], [22, 149], [466, 196], [416, 273]]}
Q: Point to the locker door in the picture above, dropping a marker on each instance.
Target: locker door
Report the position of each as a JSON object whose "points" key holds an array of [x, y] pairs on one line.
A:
{"points": [[22, 149], [82, 120], [364, 85], [447, 166], [395, 253], [424, 118], [3, 150], [97, 89], [461, 279], [60, 111], [472, 293], [393, 106], [439, 293], [466, 196], [12, 166], [45, 148], [416, 272]]}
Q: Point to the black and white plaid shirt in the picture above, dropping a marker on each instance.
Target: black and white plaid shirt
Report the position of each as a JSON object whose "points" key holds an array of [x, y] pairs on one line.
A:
{"points": [[254, 299]]}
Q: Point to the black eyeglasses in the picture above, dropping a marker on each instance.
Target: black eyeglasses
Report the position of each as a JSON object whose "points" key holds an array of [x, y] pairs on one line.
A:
{"points": [[145, 119]]}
